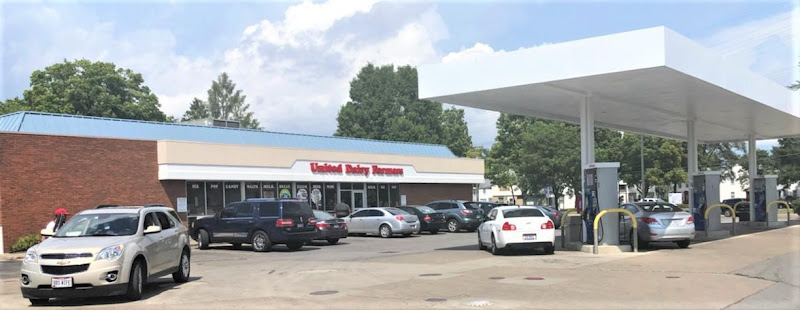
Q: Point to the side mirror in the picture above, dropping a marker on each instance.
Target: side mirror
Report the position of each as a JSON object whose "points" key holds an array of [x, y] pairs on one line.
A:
{"points": [[47, 232], [152, 230]]}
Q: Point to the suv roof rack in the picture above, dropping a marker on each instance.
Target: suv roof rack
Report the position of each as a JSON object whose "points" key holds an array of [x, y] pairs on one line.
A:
{"points": [[106, 206], [261, 199]]}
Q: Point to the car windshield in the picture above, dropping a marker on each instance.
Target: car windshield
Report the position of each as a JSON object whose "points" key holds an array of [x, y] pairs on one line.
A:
{"points": [[426, 210], [660, 207], [522, 212], [396, 211], [471, 205], [320, 215], [96, 225]]}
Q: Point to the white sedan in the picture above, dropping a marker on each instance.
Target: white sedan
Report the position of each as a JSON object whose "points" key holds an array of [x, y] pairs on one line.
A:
{"points": [[516, 227]]}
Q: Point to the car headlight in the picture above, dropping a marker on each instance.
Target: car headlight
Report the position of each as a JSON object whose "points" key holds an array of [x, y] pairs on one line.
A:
{"points": [[30, 256], [111, 253]]}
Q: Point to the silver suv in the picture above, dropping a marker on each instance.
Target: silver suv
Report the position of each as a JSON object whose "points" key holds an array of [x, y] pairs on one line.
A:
{"points": [[109, 250]]}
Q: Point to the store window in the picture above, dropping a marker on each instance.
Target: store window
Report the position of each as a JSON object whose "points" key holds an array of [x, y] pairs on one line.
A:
{"points": [[346, 185], [394, 195], [214, 197], [358, 185], [252, 190], [196, 198], [316, 196], [301, 191], [331, 196], [233, 192], [383, 195], [284, 190], [268, 190], [372, 195]]}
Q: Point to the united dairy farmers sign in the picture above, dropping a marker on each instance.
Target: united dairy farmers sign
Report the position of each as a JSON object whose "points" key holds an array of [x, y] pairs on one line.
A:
{"points": [[364, 170]]}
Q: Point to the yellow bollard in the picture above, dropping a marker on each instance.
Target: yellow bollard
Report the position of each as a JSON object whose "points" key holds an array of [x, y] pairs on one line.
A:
{"points": [[633, 221], [721, 205], [788, 210]]}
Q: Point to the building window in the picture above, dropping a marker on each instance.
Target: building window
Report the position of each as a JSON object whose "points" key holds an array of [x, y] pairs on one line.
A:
{"points": [[383, 195], [346, 185], [394, 195], [316, 196], [372, 195], [196, 198], [214, 197], [284, 190], [268, 190], [331, 196], [252, 190], [233, 192], [301, 191]]}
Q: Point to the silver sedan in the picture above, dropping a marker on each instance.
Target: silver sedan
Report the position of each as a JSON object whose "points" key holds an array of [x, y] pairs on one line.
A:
{"points": [[658, 222], [382, 221]]}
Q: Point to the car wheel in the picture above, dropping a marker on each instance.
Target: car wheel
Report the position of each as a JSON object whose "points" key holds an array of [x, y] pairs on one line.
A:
{"points": [[434, 231], [683, 243], [550, 249], [385, 231], [494, 249], [481, 247], [452, 225], [261, 242], [38, 301], [136, 281], [294, 246], [727, 213], [237, 245], [203, 239], [184, 267], [333, 241]]}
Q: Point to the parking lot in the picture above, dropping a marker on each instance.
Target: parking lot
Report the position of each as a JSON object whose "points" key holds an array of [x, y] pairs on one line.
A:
{"points": [[447, 271]]}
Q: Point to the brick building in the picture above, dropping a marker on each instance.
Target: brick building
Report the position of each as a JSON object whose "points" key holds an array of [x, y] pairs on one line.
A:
{"points": [[52, 160]]}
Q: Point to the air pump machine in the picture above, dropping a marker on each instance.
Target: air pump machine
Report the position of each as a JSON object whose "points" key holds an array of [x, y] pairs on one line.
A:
{"points": [[600, 187]]}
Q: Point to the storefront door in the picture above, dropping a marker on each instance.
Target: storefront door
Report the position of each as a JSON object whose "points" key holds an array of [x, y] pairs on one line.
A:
{"points": [[359, 200]]}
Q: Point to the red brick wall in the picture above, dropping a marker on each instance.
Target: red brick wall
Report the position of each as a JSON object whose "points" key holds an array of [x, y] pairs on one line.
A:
{"points": [[420, 194], [40, 173]]}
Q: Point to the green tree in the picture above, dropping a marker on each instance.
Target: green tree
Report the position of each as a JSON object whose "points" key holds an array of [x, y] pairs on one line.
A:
{"points": [[197, 110], [83, 87], [224, 102], [786, 155], [384, 105], [720, 157]]}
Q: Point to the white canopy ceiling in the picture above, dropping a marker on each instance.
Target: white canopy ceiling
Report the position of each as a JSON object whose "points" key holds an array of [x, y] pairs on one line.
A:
{"points": [[646, 81]]}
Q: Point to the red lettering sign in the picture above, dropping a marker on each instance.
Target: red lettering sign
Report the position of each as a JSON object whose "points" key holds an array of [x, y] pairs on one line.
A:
{"points": [[355, 169], [326, 168], [390, 171]]}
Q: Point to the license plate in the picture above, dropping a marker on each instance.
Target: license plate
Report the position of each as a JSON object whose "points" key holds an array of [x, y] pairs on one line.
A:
{"points": [[61, 282], [300, 225], [413, 226], [335, 226], [529, 237]]}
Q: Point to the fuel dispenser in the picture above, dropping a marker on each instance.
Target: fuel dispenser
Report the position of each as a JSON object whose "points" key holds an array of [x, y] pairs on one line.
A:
{"points": [[765, 190], [705, 192], [600, 193]]}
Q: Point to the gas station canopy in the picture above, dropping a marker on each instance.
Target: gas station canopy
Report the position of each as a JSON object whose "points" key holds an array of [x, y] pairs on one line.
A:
{"points": [[651, 81]]}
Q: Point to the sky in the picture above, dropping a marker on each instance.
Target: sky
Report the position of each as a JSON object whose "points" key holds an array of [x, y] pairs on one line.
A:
{"points": [[294, 60]]}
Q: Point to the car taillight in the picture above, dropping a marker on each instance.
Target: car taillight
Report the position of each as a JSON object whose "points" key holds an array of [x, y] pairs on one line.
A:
{"points": [[323, 225], [690, 220], [312, 221], [427, 217], [507, 226], [466, 212], [548, 225], [284, 223], [649, 220], [343, 225], [398, 217]]}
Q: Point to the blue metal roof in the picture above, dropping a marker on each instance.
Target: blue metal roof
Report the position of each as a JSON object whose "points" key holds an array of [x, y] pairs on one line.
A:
{"points": [[72, 125]]}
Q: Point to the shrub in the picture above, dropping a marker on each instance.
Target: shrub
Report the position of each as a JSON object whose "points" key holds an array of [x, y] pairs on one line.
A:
{"points": [[25, 242]]}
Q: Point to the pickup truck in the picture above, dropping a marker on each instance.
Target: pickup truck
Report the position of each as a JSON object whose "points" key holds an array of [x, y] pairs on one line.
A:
{"points": [[259, 222]]}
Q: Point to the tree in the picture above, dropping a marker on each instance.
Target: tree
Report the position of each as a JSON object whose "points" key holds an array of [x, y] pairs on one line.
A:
{"points": [[224, 102], [83, 87], [786, 155], [197, 110], [720, 157], [384, 105]]}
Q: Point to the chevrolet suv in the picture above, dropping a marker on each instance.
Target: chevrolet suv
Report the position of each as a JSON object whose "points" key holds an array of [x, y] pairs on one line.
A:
{"points": [[109, 250], [260, 222], [459, 214]]}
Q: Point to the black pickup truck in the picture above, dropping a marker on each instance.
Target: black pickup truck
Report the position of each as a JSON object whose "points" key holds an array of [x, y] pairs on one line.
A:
{"points": [[259, 222]]}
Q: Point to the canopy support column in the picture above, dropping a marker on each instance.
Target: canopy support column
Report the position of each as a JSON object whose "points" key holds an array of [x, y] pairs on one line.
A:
{"points": [[752, 160], [587, 139], [692, 158]]}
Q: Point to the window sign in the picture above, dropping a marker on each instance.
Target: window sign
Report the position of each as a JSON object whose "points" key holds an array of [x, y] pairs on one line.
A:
{"points": [[252, 190], [233, 192], [383, 195], [302, 191], [285, 190], [331, 196], [394, 195], [196, 198], [316, 196], [268, 190], [214, 197], [372, 195]]}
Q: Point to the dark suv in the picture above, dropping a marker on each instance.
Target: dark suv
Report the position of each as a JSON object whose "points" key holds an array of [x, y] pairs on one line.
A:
{"points": [[459, 214], [259, 222], [742, 211]]}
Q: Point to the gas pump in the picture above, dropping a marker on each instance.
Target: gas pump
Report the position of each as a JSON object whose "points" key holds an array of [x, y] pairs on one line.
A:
{"points": [[600, 190], [765, 190], [705, 192]]}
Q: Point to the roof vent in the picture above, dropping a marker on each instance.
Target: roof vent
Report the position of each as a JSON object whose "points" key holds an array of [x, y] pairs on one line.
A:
{"points": [[214, 123]]}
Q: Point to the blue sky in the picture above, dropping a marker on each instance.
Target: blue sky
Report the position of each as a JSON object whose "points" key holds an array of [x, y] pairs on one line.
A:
{"points": [[294, 60]]}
